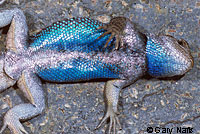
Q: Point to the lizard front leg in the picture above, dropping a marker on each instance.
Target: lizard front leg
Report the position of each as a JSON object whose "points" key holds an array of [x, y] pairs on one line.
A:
{"points": [[112, 90], [116, 29], [31, 86]]}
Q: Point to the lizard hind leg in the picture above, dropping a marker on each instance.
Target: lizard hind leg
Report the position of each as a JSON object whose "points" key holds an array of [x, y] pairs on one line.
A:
{"points": [[31, 86], [12, 121], [18, 31]]}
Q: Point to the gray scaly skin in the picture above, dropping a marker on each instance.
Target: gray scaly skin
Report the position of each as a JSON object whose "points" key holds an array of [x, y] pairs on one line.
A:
{"points": [[23, 65]]}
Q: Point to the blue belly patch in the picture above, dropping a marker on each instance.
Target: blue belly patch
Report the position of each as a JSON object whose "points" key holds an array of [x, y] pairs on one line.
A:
{"points": [[78, 70]]}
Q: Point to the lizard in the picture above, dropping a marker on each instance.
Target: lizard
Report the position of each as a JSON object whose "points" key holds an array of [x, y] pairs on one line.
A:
{"points": [[80, 49]]}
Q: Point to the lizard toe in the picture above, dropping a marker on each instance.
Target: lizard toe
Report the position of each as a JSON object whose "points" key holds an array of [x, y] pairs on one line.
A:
{"points": [[114, 121], [13, 124]]}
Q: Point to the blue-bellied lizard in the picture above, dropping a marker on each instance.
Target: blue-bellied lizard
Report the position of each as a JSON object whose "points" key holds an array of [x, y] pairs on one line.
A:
{"points": [[73, 50]]}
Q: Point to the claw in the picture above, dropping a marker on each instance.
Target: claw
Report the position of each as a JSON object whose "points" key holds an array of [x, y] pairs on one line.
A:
{"points": [[114, 120], [110, 125], [114, 126], [118, 123], [102, 121], [22, 129]]}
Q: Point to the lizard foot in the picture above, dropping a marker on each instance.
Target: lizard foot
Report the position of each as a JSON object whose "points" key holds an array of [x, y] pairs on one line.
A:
{"points": [[13, 124], [115, 28], [110, 114]]}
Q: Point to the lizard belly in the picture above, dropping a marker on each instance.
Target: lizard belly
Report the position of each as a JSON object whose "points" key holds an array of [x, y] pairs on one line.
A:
{"points": [[75, 70]]}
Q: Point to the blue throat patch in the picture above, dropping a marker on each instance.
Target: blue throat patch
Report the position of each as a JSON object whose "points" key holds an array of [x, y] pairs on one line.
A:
{"points": [[159, 61]]}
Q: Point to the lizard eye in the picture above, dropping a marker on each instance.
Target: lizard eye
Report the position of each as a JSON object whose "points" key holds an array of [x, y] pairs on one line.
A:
{"points": [[183, 43], [167, 56]]}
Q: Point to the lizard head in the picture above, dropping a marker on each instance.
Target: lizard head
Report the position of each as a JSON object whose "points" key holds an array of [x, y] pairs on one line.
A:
{"points": [[167, 56], [5, 80]]}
